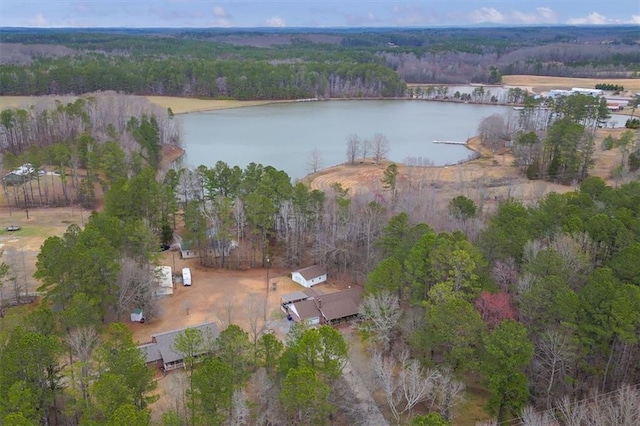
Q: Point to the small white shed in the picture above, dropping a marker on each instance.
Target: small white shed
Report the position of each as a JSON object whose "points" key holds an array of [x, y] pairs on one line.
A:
{"points": [[137, 315], [310, 276]]}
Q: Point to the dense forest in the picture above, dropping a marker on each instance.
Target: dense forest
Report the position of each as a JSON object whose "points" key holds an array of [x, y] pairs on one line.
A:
{"points": [[286, 64], [535, 304]]}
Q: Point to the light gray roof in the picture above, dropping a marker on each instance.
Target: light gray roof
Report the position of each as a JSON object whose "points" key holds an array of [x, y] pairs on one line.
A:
{"points": [[165, 341], [151, 352], [294, 297], [312, 272]]}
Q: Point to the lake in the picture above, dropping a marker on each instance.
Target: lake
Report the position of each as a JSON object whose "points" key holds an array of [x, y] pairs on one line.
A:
{"points": [[285, 135]]}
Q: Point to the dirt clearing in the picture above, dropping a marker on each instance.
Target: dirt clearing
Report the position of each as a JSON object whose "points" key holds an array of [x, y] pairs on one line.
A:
{"points": [[224, 296], [41, 224], [542, 83]]}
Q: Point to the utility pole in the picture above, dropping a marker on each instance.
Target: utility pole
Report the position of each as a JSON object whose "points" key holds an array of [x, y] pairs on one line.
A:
{"points": [[266, 295]]}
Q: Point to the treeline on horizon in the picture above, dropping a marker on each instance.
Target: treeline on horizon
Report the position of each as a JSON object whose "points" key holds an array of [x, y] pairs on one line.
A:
{"points": [[289, 64]]}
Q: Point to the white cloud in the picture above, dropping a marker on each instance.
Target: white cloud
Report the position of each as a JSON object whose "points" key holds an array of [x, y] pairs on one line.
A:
{"points": [[542, 15], [275, 21], [38, 21], [219, 12], [487, 15], [547, 14], [220, 17], [594, 18]]}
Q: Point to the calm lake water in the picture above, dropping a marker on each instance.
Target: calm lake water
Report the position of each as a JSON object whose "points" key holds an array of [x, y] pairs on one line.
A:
{"points": [[285, 135]]}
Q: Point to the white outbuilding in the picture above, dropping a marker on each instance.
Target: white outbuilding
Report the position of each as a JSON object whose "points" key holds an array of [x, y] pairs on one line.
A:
{"points": [[310, 276]]}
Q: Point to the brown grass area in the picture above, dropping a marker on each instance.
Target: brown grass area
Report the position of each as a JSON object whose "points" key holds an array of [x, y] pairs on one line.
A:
{"points": [[185, 105], [177, 105], [543, 83], [41, 224], [494, 170]]}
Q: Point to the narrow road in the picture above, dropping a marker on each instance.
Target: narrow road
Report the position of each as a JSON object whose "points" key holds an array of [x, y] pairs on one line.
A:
{"points": [[366, 404], [357, 374]]}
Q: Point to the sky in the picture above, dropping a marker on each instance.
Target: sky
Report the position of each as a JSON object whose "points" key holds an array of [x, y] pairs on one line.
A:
{"points": [[313, 13]]}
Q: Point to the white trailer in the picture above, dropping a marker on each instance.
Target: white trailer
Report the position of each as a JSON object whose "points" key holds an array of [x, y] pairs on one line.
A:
{"points": [[186, 276]]}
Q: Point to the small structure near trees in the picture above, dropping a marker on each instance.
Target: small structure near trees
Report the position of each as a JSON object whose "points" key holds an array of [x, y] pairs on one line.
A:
{"points": [[137, 315], [20, 175], [310, 276]]}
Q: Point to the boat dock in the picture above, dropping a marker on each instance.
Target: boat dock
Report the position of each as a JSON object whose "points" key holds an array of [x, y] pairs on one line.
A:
{"points": [[451, 142]]}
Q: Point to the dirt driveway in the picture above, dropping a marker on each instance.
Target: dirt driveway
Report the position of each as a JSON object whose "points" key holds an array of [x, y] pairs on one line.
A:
{"points": [[223, 296]]}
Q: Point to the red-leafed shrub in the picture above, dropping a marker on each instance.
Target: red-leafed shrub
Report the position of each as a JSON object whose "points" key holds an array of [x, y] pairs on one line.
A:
{"points": [[495, 308]]}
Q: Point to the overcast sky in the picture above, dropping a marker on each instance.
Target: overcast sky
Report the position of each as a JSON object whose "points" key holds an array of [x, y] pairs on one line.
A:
{"points": [[302, 13]]}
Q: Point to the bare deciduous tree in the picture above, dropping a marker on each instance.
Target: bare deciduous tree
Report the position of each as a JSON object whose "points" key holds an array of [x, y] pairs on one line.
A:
{"points": [[448, 391], [505, 274], [492, 130], [410, 386], [365, 148], [135, 289], [353, 147], [315, 160], [381, 313], [16, 271], [229, 303], [82, 341], [380, 147], [530, 417], [384, 370], [555, 354], [256, 327], [417, 384], [621, 407]]}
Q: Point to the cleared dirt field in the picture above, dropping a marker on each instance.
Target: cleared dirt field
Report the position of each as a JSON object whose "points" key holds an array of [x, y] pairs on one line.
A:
{"points": [[41, 224], [542, 83]]}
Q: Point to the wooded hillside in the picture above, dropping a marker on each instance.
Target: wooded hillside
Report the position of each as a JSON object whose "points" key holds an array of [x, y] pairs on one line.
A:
{"points": [[286, 64]]}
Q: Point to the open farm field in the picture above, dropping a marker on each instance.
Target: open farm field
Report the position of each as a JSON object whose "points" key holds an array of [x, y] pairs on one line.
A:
{"points": [[26, 101], [177, 105], [25, 243], [543, 83], [185, 105]]}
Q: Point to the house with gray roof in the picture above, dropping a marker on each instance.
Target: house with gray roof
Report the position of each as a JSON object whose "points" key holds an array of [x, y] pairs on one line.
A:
{"points": [[161, 350]]}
